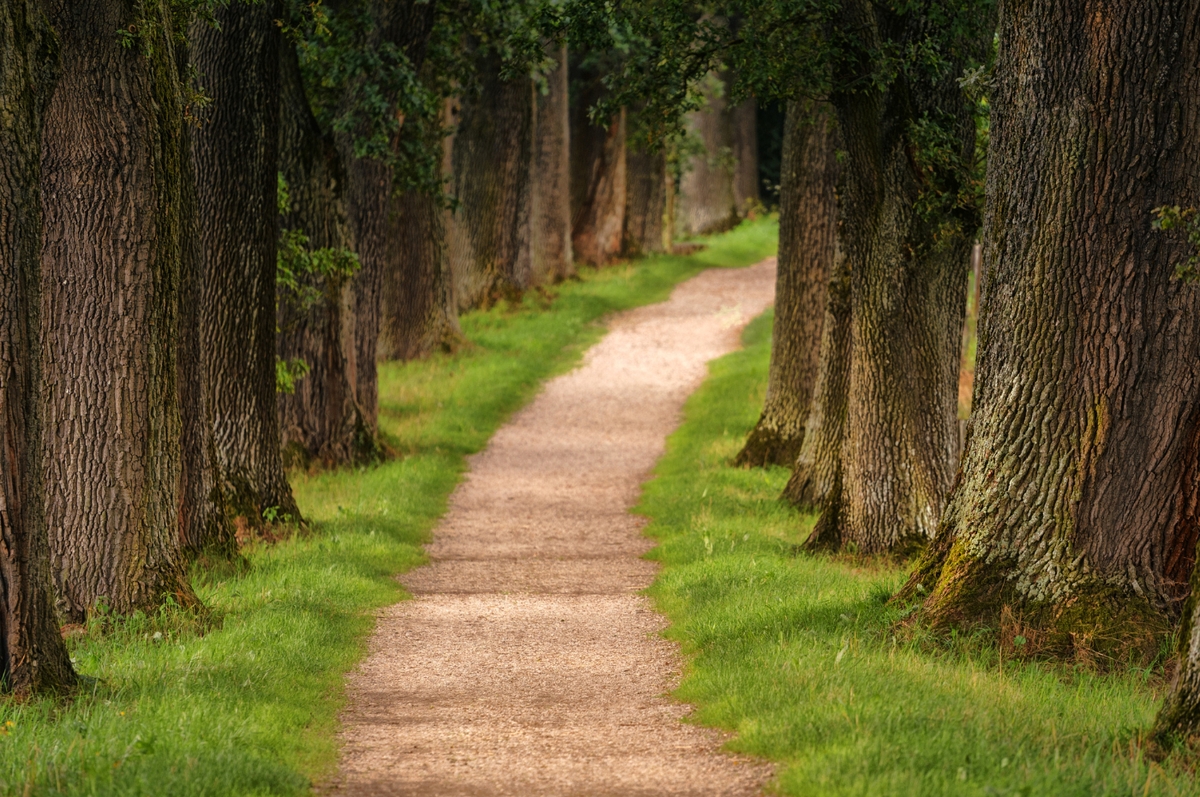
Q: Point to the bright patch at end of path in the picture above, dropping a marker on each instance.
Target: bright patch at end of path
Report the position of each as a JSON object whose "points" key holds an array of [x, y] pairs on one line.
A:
{"points": [[527, 663]]}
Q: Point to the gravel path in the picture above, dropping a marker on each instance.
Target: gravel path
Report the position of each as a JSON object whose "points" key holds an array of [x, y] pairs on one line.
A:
{"points": [[528, 664]]}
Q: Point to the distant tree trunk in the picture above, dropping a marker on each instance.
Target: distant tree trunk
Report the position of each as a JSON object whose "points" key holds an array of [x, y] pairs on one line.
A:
{"points": [[552, 256], [1076, 507], [111, 259], [645, 200], [491, 166], [417, 311], [321, 419], [599, 189], [706, 202], [33, 657], [236, 157], [807, 244], [907, 288], [744, 124]]}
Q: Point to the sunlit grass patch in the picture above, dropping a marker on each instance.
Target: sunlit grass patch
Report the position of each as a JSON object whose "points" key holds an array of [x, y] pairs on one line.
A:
{"points": [[242, 697], [796, 654]]}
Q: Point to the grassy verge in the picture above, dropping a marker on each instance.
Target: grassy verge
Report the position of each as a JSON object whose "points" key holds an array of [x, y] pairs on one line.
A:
{"points": [[793, 652], [246, 703]]}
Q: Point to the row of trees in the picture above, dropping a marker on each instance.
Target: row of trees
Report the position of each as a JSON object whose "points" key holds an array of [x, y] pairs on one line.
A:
{"points": [[1070, 517], [216, 217]]}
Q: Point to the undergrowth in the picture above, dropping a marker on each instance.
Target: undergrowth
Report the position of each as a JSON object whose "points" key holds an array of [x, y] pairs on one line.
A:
{"points": [[795, 652], [241, 697]]}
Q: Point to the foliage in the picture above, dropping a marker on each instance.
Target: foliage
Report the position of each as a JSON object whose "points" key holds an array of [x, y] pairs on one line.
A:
{"points": [[1187, 221], [243, 700], [288, 373], [795, 652]]}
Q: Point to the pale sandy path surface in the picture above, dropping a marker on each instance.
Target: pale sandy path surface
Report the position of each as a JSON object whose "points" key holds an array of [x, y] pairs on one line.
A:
{"points": [[527, 664]]}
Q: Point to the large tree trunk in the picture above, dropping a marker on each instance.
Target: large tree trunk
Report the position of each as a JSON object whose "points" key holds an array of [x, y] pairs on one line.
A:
{"points": [[744, 126], [1076, 509], [553, 259], [807, 244], [706, 202], [907, 242], [491, 166], [321, 419], [33, 657], [111, 275], [236, 157], [645, 200]]}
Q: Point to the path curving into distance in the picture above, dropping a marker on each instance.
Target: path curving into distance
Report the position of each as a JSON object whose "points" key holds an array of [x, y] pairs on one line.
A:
{"points": [[527, 663]]}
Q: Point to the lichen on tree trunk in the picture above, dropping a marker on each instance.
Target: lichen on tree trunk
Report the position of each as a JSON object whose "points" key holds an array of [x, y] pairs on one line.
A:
{"points": [[1076, 509], [111, 258], [807, 246], [236, 158], [33, 657]]}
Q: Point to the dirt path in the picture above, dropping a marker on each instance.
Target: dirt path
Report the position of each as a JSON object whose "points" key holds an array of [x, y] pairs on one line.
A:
{"points": [[527, 664]]}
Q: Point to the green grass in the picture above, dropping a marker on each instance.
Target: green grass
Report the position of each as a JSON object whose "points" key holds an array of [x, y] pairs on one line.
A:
{"points": [[248, 705], [793, 652]]}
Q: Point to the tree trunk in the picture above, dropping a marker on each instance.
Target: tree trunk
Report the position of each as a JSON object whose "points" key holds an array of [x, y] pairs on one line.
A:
{"points": [[706, 202], [33, 657], [111, 259], [598, 175], [372, 208], [907, 239], [553, 259], [744, 124], [491, 165], [1076, 508], [321, 419], [816, 482], [645, 200], [236, 157], [807, 244]]}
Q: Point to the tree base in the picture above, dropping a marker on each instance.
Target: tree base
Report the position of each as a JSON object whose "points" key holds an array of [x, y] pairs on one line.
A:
{"points": [[768, 446]]}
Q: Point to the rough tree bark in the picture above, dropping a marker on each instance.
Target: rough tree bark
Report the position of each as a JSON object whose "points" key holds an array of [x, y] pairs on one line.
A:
{"points": [[807, 243], [706, 201], [236, 159], [491, 166], [907, 241], [1076, 507], [744, 126], [111, 259], [321, 419], [598, 171], [33, 657], [552, 257]]}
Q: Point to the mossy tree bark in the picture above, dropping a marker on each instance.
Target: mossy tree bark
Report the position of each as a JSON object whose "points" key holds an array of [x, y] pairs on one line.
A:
{"points": [[33, 657], [491, 168], [807, 245], [907, 271], [111, 258], [321, 419], [1077, 503], [552, 257]]}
